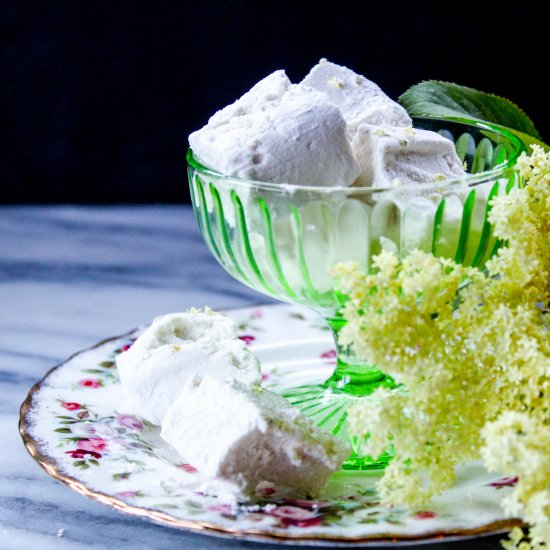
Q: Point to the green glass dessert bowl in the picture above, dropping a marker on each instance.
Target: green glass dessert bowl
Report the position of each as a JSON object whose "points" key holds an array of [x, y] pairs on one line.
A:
{"points": [[283, 240]]}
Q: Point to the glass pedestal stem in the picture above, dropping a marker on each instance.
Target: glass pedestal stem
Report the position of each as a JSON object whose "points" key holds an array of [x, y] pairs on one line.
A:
{"points": [[327, 403], [351, 376]]}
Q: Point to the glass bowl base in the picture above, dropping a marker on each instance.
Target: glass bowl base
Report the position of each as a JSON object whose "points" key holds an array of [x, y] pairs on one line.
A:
{"points": [[329, 408]]}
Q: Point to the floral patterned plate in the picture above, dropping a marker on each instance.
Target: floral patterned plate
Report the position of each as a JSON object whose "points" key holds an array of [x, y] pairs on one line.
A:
{"points": [[77, 427]]}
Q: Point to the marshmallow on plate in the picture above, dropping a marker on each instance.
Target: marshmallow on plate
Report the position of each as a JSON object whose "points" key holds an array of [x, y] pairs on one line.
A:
{"points": [[359, 100], [179, 346], [390, 157], [243, 436], [291, 135]]}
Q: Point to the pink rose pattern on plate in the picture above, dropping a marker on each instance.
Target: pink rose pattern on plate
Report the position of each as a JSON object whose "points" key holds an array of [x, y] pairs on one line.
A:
{"points": [[70, 406], [90, 383], [130, 421], [504, 482], [329, 356], [122, 446]]}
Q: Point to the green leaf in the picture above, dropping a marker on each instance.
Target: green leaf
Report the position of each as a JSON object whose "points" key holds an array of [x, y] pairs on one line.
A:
{"points": [[192, 505], [63, 430], [527, 140], [164, 505], [438, 98], [297, 316]]}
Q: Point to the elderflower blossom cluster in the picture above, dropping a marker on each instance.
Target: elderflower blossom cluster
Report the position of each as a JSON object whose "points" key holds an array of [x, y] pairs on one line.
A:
{"points": [[520, 443], [473, 352]]}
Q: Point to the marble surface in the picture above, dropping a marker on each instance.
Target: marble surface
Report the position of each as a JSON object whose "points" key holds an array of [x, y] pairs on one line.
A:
{"points": [[69, 277]]}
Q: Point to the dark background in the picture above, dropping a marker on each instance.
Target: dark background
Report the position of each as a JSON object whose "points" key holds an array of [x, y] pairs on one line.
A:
{"points": [[98, 97]]}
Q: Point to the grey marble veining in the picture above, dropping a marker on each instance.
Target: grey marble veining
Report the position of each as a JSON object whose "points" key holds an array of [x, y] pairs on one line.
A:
{"points": [[71, 276]]}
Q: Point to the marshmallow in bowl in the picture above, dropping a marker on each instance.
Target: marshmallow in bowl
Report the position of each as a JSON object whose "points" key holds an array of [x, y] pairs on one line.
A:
{"points": [[176, 347], [335, 128], [244, 435], [291, 135], [391, 156], [359, 100], [267, 93]]}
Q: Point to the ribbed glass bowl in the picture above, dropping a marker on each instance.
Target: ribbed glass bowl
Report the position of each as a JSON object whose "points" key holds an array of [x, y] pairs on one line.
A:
{"points": [[283, 240]]}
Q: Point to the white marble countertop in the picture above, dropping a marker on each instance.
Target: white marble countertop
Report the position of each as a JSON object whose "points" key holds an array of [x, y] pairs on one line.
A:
{"points": [[69, 277]]}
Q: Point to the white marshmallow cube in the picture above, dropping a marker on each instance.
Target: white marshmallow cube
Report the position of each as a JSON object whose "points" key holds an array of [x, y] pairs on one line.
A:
{"points": [[298, 137], [391, 157], [179, 346], [359, 100], [267, 93], [244, 436]]}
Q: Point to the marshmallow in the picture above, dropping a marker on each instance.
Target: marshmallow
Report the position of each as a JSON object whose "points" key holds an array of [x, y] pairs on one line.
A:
{"points": [[359, 100], [243, 436], [267, 93], [390, 157], [179, 346], [298, 138]]}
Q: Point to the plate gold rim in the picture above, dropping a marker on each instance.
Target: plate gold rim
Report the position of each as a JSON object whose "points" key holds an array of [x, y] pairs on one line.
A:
{"points": [[51, 467]]}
